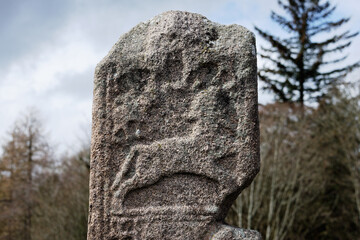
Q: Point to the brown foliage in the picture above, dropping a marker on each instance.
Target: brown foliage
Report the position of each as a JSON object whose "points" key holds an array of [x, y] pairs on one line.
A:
{"points": [[26, 156], [308, 185], [37, 199]]}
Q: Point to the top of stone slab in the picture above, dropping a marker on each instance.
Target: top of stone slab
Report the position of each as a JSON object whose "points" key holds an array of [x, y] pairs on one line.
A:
{"points": [[187, 31]]}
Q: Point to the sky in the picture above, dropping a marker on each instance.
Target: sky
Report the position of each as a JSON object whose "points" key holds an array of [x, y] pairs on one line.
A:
{"points": [[49, 50]]}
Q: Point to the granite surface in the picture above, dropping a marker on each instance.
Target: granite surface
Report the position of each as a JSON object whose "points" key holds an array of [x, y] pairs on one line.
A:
{"points": [[175, 135]]}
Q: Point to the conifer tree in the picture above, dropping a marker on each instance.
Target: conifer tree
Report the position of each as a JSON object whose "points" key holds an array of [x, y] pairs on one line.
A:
{"points": [[301, 68]]}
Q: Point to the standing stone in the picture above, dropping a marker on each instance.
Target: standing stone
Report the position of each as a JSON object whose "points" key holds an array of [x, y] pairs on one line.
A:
{"points": [[175, 131]]}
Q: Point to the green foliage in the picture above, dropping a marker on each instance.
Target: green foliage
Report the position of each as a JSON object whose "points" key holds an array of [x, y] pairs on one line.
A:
{"points": [[300, 68]]}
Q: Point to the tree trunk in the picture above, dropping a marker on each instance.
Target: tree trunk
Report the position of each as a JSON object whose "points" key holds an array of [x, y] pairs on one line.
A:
{"points": [[29, 190]]}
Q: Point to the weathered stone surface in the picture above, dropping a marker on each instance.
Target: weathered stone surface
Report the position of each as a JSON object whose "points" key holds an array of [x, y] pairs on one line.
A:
{"points": [[175, 130]]}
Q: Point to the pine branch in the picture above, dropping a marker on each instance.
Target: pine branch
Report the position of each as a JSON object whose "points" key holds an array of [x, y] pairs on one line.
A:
{"points": [[334, 39], [339, 48], [340, 70], [273, 87], [317, 15], [283, 50], [283, 22], [327, 26], [335, 61]]}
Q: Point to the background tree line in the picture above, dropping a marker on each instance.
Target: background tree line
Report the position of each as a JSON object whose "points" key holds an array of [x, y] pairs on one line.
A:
{"points": [[41, 197], [309, 183]]}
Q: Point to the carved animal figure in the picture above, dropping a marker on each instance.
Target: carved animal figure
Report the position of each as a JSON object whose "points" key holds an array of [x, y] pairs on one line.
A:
{"points": [[146, 164]]}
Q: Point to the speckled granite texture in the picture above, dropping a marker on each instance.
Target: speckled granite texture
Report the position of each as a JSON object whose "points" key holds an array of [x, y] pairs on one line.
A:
{"points": [[175, 131]]}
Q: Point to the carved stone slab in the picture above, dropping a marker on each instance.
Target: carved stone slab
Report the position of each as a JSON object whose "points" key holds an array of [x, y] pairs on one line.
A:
{"points": [[175, 130]]}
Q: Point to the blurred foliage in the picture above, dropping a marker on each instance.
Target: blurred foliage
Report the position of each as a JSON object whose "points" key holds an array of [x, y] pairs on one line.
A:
{"points": [[39, 200], [26, 156], [308, 185]]}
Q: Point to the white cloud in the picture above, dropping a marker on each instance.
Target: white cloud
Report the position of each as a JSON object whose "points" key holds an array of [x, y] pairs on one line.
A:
{"points": [[33, 80]]}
